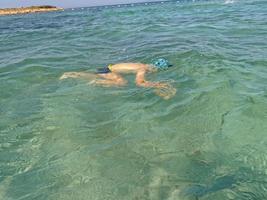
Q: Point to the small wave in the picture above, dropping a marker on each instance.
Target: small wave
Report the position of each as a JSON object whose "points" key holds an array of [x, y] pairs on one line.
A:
{"points": [[229, 2]]}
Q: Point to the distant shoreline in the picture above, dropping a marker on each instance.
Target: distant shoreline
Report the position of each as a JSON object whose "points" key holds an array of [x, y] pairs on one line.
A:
{"points": [[25, 10]]}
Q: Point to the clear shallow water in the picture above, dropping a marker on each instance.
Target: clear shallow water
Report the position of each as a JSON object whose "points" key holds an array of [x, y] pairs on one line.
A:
{"points": [[67, 140]]}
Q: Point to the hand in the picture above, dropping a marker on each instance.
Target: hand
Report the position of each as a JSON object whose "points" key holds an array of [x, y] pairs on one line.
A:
{"points": [[163, 85], [165, 90]]}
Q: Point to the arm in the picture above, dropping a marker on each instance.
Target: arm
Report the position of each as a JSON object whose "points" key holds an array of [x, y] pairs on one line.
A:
{"points": [[164, 90], [140, 81]]}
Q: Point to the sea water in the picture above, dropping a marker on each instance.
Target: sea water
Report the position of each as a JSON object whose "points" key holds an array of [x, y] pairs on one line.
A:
{"points": [[67, 140]]}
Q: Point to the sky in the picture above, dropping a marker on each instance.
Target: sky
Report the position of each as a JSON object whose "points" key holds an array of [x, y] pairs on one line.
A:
{"points": [[64, 3]]}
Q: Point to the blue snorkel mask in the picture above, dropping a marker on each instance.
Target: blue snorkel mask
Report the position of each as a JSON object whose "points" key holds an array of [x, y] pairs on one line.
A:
{"points": [[161, 64]]}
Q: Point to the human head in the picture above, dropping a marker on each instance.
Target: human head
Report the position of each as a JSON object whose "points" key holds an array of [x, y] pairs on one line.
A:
{"points": [[161, 64]]}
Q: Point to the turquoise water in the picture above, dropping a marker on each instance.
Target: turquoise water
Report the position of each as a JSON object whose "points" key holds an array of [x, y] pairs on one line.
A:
{"points": [[69, 140]]}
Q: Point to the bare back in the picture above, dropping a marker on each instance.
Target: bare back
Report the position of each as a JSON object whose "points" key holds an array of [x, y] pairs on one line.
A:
{"points": [[130, 68]]}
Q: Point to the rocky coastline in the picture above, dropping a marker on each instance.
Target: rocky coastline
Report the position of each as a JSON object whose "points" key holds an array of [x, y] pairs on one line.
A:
{"points": [[25, 10]]}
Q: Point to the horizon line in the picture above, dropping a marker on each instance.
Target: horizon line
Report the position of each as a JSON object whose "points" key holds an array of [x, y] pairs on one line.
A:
{"points": [[88, 6], [123, 4]]}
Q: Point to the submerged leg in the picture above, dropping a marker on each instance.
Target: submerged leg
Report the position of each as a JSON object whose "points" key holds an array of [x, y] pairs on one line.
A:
{"points": [[109, 79], [83, 75]]}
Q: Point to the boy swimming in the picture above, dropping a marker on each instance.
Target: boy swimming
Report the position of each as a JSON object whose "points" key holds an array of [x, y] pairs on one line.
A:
{"points": [[112, 76]]}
